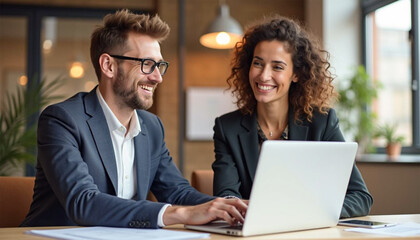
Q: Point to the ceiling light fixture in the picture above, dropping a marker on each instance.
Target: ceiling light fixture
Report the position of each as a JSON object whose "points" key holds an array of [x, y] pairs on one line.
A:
{"points": [[223, 32]]}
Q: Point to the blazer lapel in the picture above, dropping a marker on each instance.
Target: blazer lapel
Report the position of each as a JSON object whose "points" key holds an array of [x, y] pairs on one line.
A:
{"points": [[142, 160], [296, 131], [102, 137], [249, 143]]}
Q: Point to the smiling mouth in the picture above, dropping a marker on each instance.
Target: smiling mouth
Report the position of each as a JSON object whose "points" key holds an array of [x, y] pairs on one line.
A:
{"points": [[264, 87], [147, 88]]}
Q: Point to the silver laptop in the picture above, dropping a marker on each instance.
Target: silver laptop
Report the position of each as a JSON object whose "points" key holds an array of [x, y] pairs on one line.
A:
{"points": [[297, 186]]}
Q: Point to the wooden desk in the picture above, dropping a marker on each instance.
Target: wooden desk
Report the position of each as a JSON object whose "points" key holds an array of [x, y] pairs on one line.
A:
{"points": [[325, 233]]}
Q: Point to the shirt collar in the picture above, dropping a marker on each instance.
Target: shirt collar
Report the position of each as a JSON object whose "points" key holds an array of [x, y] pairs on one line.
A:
{"points": [[113, 122]]}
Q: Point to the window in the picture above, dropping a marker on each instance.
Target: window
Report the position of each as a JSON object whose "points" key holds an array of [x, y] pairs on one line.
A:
{"points": [[48, 42], [388, 56], [13, 53], [65, 53], [42, 43]]}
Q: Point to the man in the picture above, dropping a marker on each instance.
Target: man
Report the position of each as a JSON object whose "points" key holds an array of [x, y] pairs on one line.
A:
{"points": [[99, 153]]}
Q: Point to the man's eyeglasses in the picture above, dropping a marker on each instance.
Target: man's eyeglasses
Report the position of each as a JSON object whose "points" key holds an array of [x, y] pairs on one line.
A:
{"points": [[147, 65]]}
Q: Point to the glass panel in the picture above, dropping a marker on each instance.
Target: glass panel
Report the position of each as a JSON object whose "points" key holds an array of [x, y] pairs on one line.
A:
{"points": [[65, 53], [12, 54], [13, 58], [389, 62]]}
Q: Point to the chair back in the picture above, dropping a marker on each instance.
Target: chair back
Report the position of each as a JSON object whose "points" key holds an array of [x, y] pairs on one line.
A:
{"points": [[15, 199], [202, 180]]}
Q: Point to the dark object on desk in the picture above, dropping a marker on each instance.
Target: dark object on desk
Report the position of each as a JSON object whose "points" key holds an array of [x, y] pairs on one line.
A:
{"points": [[365, 224]]}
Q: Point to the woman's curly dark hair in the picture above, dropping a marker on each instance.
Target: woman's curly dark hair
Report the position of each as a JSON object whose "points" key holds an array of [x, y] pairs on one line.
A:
{"points": [[314, 88]]}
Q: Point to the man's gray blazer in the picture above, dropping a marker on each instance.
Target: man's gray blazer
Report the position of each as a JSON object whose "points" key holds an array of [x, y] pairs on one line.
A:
{"points": [[76, 178]]}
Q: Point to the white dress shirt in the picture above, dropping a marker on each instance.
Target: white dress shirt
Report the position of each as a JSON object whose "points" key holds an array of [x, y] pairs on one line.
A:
{"points": [[123, 143]]}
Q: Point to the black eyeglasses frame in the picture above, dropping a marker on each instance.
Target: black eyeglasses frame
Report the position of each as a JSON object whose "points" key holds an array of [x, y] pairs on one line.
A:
{"points": [[142, 60]]}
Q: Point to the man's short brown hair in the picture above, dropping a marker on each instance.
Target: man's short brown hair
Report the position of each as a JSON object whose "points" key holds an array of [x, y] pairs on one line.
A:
{"points": [[113, 34]]}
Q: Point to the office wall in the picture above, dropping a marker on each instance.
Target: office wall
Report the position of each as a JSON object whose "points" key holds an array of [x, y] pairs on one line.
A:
{"points": [[342, 35]]}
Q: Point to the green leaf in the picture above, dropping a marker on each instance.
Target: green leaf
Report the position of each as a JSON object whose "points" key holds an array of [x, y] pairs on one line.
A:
{"points": [[17, 134], [355, 102], [389, 133]]}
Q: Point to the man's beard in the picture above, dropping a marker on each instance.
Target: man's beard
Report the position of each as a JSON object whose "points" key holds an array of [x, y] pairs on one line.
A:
{"points": [[130, 96]]}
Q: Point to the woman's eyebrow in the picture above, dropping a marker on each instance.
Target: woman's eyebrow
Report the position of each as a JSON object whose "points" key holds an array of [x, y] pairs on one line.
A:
{"points": [[279, 62], [274, 61]]}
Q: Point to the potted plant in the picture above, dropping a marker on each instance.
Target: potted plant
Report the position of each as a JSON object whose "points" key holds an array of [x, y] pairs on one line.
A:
{"points": [[18, 122], [354, 108], [393, 141]]}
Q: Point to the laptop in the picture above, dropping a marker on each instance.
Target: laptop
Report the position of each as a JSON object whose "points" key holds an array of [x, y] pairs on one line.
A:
{"points": [[298, 185]]}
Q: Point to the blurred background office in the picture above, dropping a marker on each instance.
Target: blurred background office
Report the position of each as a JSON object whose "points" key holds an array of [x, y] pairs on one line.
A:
{"points": [[42, 40]]}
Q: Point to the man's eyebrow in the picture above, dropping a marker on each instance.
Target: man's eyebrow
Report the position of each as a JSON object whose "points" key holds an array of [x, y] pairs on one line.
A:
{"points": [[154, 59]]}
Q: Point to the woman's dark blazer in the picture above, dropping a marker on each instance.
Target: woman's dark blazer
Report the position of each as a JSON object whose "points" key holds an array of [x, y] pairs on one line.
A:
{"points": [[237, 149]]}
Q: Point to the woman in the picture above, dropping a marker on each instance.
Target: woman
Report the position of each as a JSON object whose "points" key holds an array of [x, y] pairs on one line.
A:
{"points": [[284, 91]]}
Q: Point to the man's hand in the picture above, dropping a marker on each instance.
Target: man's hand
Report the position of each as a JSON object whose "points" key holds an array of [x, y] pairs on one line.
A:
{"points": [[230, 210]]}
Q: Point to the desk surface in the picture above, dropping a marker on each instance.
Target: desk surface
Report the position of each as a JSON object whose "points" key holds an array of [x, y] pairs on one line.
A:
{"points": [[325, 233]]}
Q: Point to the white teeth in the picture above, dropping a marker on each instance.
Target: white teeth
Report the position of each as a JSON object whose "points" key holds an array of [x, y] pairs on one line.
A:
{"points": [[146, 87], [265, 87]]}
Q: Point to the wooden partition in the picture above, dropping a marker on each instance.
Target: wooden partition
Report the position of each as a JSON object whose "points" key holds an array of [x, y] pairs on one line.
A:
{"points": [[394, 185]]}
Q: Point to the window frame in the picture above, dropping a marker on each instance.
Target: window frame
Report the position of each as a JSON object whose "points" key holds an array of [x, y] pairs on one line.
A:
{"points": [[369, 6], [34, 15]]}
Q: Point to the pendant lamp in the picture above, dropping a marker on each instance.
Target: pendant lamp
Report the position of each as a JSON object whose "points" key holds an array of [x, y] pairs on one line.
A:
{"points": [[224, 32]]}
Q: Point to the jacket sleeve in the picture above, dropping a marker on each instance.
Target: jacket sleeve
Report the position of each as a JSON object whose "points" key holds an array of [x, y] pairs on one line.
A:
{"points": [[226, 178], [358, 200]]}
